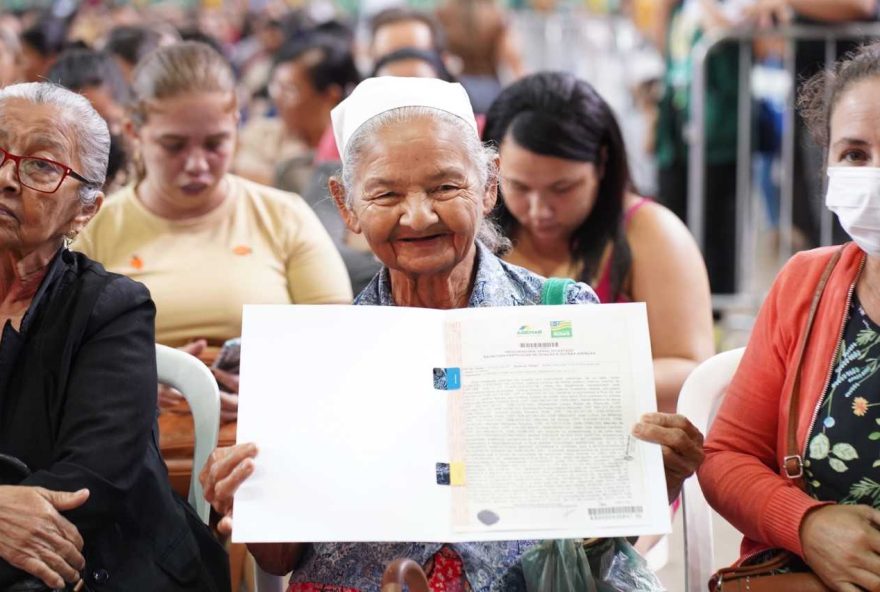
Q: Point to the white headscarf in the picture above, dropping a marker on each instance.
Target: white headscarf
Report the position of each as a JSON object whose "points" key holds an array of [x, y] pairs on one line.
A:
{"points": [[375, 96]]}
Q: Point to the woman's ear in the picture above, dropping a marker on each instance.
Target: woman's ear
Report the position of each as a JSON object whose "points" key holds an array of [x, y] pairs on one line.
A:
{"points": [[337, 191], [86, 213], [490, 193]]}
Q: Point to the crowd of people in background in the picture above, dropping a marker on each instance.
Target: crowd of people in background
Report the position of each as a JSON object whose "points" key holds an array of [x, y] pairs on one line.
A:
{"points": [[294, 62]]}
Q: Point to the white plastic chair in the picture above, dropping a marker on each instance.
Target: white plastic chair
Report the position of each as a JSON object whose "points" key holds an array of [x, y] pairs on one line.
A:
{"points": [[700, 397], [195, 382]]}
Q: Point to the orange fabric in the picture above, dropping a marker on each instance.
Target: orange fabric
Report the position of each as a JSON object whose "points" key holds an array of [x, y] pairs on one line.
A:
{"points": [[741, 476]]}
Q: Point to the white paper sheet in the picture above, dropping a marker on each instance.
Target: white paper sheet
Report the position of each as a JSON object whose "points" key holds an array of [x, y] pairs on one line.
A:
{"points": [[341, 404]]}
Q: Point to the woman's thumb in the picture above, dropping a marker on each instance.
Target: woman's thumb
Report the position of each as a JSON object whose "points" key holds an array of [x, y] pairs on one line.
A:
{"points": [[67, 500]]}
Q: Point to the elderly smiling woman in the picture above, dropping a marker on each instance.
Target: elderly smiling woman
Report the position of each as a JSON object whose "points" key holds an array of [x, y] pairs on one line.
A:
{"points": [[83, 492], [417, 183]]}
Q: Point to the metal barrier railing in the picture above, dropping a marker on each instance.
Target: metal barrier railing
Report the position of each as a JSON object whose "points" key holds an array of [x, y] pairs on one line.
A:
{"points": [[748, 295]]}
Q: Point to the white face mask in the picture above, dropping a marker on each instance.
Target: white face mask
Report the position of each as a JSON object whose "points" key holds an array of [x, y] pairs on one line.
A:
{"points": [[854, 195]]}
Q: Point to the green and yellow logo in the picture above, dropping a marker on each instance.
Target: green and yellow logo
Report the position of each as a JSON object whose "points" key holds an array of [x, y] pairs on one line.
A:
{"points": [[528, 330], [560, 328]]}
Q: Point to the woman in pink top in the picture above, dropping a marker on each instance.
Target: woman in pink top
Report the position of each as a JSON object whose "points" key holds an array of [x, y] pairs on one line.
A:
{"points": [[569, 207]]}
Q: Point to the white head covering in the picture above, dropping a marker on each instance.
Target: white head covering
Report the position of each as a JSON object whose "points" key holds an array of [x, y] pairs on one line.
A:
{"points": [[378, 95]]}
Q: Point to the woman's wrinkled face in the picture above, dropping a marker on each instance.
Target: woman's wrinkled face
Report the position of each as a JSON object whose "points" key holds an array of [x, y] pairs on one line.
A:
{"points": [[549, 197], [854, 138], [31, 219], [187, 144], [418, 198]]}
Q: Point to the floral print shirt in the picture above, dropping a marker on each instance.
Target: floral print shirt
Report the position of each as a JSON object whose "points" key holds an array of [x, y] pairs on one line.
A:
{"points": [[483, 567], [844, 445], [497, 283]]}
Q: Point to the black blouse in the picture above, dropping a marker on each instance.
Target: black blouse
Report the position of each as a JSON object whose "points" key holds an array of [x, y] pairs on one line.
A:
{"points": [[843, 454], [78, 407]]}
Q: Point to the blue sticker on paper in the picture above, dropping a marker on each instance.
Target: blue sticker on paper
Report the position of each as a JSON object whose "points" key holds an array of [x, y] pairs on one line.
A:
{"points": [[447, 379]]}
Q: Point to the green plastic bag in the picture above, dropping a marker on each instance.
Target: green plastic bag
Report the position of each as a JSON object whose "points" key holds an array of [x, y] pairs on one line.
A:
{"points": [[608, 565]]}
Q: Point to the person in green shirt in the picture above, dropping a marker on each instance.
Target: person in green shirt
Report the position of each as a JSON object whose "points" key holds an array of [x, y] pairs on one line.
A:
{"points": [[689, 21]]}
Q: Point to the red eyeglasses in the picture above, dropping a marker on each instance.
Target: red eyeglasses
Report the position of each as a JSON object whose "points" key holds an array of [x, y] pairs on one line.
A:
{"points": [[40, 174]]}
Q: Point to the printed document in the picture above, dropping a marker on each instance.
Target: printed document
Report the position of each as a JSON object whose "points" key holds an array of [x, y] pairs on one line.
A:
{"points": [[405, 424]]}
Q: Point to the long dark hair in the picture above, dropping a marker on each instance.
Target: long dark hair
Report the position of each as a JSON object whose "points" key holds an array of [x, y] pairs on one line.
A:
{"points": [[555, 114]]}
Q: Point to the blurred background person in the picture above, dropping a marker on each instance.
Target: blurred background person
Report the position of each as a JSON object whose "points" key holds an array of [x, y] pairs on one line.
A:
{"points": [[310, 77], [478, 33], [399, 27], [254, 55], [11, 61], [410, 62], [40, 45], [9, 20], [689, 21], [97, 76], [129, 44], [196, 34]]}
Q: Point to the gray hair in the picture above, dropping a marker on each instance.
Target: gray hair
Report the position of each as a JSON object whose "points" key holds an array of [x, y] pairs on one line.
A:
{"points": [[481, 156], [89, 129]]}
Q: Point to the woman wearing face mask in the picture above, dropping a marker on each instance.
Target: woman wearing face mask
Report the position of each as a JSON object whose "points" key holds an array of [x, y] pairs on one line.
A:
{"points": [[791, 459]]}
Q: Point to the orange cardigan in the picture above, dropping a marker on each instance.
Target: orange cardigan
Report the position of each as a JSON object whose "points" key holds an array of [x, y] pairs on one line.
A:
{"points": [[742, 476]]}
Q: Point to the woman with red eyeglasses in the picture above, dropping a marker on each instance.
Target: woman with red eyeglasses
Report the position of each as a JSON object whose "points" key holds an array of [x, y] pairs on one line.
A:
{"points": [[78, 378]]}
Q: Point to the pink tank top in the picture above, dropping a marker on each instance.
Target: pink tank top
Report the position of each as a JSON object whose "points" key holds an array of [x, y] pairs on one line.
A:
{"points": [[603, 286]]}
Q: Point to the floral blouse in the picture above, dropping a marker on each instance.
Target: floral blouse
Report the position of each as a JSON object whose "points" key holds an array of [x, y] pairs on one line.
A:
{"points": [[459, 567], [844, 450]]}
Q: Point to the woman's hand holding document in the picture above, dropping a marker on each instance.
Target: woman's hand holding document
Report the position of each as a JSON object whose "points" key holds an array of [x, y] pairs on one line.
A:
{"points": [[682, 446], [390, 424]]}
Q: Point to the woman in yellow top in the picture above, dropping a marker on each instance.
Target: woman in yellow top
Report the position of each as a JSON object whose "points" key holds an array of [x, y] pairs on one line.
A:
{"points": [[206, 242]]}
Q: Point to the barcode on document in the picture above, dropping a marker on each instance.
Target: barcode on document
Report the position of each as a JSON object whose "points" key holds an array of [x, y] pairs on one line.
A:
{"points": [[615, 512]]}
